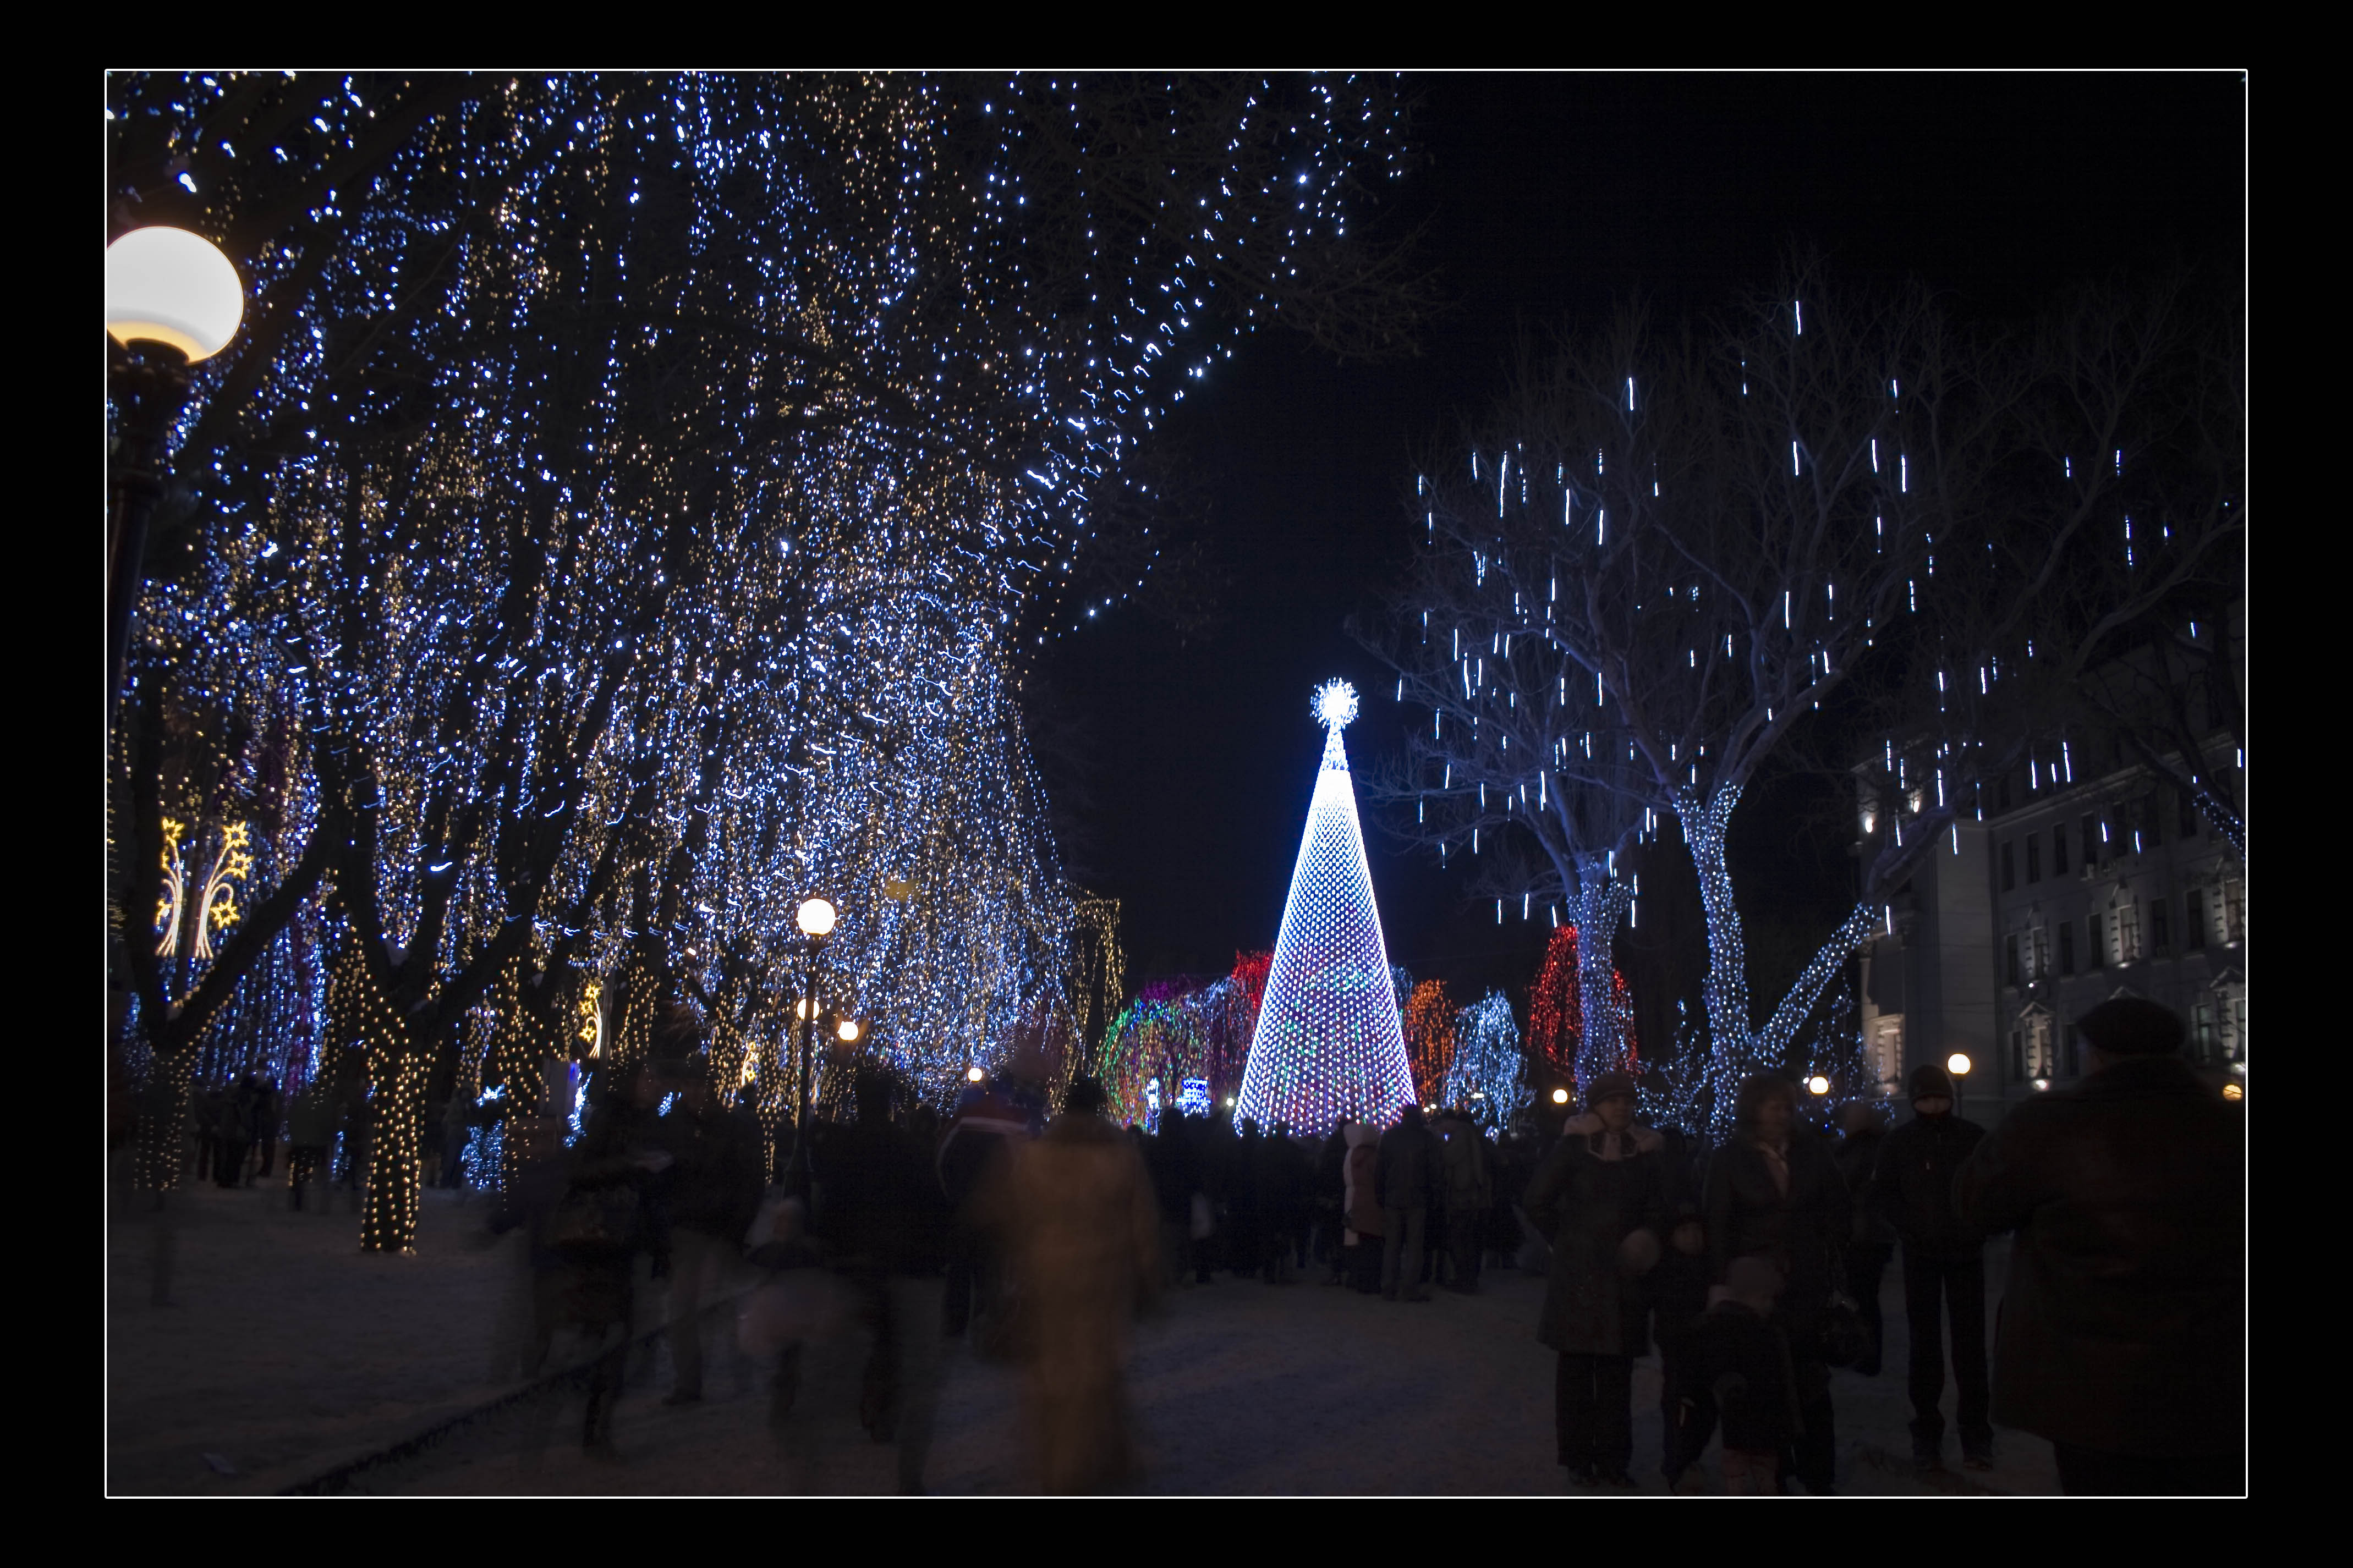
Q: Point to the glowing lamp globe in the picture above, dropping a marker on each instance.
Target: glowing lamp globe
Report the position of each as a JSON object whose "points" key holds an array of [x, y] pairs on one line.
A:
{"points": [[973, 1075], [847, 1031], [2233, 1091], [1818, 1084], [815, 917], [1560, 1097], [168, 286], [1957, 1064]]}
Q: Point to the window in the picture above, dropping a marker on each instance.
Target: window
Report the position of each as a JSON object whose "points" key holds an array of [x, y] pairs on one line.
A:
{"points": [[2034, 856], [2040, 1061], [2066, 947], [2160, 925], [2238, 1051], [2129, 933], [2095, 953], [2009, 956], [2058, 850], [2193, 921], [2186, 819], [2234, 911], [2009, 867], [2202, 1033]]}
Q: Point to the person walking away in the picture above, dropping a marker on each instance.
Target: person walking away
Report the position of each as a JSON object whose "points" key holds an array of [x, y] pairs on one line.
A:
{"points": [[1772, 1192], [456, 1130], [1597, 1198], [873, 1197], [1362, 1206], [1328, 1204], [1078, 1209], [309, 1135], [1944, 1268], [1469, 1191], [269, 1118], [1862, 1130], [1408, 1182], [595, 1234], [233, 1133], [1739, 1370], [977, 1141], [1676, 1292], [714, 1187], [2122, 1334]]}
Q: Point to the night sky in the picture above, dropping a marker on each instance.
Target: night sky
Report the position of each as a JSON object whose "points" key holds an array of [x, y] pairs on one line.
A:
{"points": [[1180, 765]]}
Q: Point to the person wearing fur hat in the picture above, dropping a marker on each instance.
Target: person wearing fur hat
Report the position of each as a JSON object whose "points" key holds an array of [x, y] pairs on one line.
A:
{"points": [[1773, 1193], [1599, 1198], [1944, 1266], [2122, 1336]]}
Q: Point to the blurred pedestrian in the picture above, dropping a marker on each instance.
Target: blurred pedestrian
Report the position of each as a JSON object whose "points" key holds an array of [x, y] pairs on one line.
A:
{"points": [[1944, 1268], [972, 1147], [310, 1136], [269, 1120], [1361, 1176], [709, 1193], [1327, 1204], [2122, 1338], [1079, 1214], [1408, 1181], [597, 1232], [233, 1132], [1863, 1131], [1772, 1192], [1597, 1199], [873, 1194]]}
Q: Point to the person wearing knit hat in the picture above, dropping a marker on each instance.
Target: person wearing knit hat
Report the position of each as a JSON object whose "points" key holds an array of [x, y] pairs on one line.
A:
{"points": [[1600, 1200], [2123, 1330], [1944, 1268]]}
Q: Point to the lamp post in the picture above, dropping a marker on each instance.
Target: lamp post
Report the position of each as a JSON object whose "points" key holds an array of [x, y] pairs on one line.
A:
{"points": [[816, 917], [172, 299], [1958, 1065]]}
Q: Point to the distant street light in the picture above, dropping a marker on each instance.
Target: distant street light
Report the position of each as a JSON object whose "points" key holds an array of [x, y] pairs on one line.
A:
{"points": [[1957, 1064], [816, 918], [172, 299], [847, 1031], [974, 1075], [1560, 1097], [1818, 1084]]}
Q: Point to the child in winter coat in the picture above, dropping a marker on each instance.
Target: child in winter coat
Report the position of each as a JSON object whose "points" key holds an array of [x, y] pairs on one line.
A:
{"points": [[1676, 1292], [1738, 1368]]}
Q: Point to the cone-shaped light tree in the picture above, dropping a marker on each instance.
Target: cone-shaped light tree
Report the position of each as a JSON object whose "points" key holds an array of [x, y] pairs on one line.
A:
{"points": [[1328, 1042]]}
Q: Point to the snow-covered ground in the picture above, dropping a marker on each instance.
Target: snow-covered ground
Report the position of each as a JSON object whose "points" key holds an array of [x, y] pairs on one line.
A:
{"points": [[289, 1351]]}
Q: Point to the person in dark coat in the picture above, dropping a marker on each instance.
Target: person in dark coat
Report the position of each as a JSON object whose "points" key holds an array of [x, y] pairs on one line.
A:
{"points": [[2122, 1336], [709, 1196], [1773, 1193], [1944, 1266], [1328, 1191], [874, 1195], [1407, 1180], [1863, 1131], [1676, 1294], [593, 1234], [1361, 1204], [1470, 1193], [1597, 1199]]}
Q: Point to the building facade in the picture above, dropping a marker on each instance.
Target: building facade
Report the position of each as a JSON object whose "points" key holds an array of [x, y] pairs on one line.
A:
{"points": [[2066, 895]]}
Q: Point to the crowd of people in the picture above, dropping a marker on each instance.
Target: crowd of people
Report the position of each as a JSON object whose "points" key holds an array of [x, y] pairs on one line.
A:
{"points": [[1753, 1268]]}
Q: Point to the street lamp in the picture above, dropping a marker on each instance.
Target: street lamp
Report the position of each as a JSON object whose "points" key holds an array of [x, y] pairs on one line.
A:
{"points": [[1957, 1064], [847, 1031], [1818, 1084], [1560, 1097], [816, 918], [172, 299]]}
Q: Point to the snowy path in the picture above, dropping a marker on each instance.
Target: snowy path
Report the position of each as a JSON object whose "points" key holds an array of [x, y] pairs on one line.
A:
{"points": [[292, 1352]]}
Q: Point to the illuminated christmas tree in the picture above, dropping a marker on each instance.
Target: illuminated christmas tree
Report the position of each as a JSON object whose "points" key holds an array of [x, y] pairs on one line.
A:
{"points": [[1329, 1043]]}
